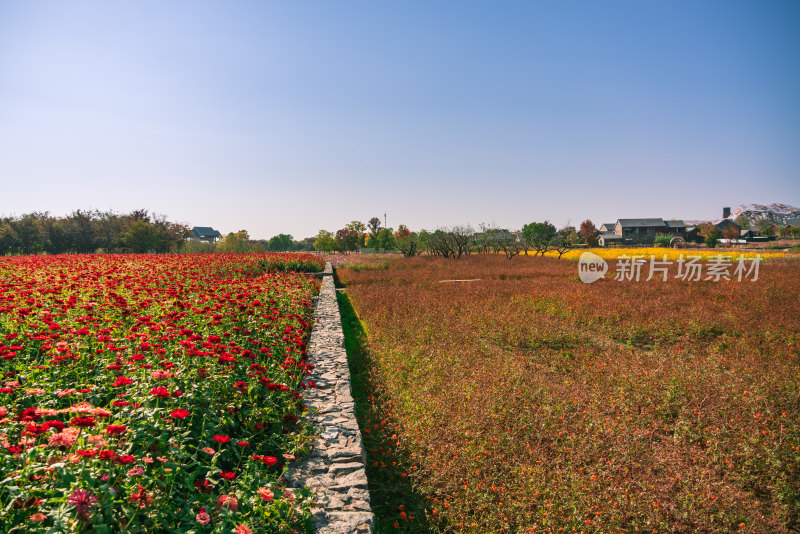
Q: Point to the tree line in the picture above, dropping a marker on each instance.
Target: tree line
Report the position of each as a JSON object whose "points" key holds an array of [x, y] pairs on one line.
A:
{"points": [[88, 231], [456, 241]]}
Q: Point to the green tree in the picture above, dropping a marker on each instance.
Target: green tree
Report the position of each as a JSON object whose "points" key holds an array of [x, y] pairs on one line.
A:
{"points": [[540, 236], [743, 222], [764, 226], [566, 238], [235, 242], [281, 242], [711, 234], [385, 239], [374, 225], [408, 244], [325, 241], [140, 237]]}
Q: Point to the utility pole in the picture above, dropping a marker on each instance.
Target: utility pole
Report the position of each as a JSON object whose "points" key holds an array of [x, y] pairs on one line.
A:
{"points": [[384, 219]]}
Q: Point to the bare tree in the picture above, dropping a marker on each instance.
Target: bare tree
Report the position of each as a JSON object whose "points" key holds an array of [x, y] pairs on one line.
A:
{"points": [[462, 238], [373, 226], [565, 240]]}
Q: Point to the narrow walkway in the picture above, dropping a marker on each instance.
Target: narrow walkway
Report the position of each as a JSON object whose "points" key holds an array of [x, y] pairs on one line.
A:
{"points": [[336, 467]]}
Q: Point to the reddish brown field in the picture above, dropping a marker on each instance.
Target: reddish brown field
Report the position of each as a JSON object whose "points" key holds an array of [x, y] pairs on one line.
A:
{"points": [[529, 401]]}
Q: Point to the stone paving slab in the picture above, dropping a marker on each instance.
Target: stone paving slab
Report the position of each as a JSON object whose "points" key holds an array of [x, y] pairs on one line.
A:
{"points": [[336, 468]]}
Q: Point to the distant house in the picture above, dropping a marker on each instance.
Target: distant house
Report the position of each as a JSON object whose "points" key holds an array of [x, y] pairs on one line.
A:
{"points": [[639, 231], [205, 233], [607, 239]]}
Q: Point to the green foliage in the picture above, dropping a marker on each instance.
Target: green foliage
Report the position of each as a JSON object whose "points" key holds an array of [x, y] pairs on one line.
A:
{"points": [[238, 242], [385, 239], [540, 236], [373, 226], [281, 243], [88, 231], [325, 241], [408, 244], [764, 227], [141, 237], [565, 240], [663, 240]]}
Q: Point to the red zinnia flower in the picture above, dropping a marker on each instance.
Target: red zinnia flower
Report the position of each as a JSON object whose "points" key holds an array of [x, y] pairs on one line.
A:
{"points": [[58, 425], [221, 439], [84, 422], [227, 475], [159, 391], [180, 413], [122, 381], [116, 429]]}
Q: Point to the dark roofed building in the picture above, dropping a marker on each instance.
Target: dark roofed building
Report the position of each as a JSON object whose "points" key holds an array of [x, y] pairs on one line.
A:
{"points": [[644, 231], [205, 233], [675, 226]]}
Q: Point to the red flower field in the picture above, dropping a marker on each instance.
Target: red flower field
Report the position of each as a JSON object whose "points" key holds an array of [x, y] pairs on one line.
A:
{"points": [[145, 393]]}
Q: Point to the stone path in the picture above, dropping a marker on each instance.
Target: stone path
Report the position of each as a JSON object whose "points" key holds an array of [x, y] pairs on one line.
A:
{"points": [[336, 467]]}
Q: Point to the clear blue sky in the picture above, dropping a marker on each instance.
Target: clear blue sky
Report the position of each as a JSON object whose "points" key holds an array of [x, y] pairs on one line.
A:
{"points": [[295, 116]]}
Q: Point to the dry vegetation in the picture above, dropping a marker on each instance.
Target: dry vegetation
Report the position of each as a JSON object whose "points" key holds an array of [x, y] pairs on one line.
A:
{"points": [[529, 401]]}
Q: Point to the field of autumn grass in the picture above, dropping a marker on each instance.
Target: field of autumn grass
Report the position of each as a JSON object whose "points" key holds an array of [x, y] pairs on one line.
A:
{"points": [[528, 401]]}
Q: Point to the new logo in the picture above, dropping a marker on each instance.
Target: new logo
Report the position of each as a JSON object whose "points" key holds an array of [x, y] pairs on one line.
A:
{"points": [[591, 267]]}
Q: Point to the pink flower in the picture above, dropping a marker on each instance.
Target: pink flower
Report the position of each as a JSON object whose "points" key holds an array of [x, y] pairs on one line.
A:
{"points": [[83, 501], [243, 529], [288, 494], [135, 471], [160, 374], [66, 438], [208, 450], [203, 518], [265, 494], [228, 501]]}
